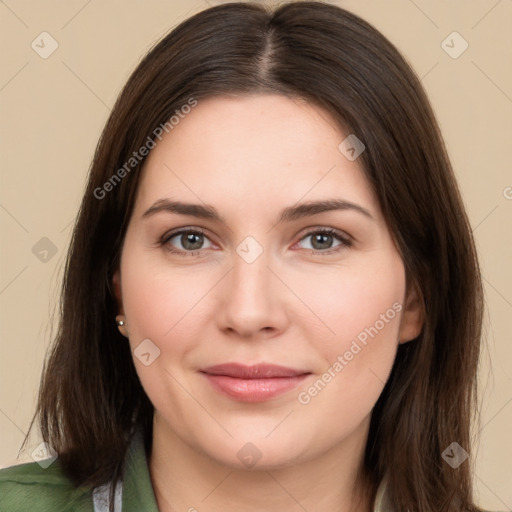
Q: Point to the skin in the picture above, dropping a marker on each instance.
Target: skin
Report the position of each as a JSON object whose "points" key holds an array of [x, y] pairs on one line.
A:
{"points": [[250, 157]]}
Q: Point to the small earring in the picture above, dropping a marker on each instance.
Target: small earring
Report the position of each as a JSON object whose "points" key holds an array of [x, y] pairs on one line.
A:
{"points": [[121, 325]]}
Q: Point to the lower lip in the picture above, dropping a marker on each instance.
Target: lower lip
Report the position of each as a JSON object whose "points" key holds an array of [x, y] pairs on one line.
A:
{"points": [[254, 390]]}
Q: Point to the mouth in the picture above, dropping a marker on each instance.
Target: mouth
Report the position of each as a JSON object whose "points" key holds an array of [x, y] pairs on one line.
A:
{"points": [[256, 383]]}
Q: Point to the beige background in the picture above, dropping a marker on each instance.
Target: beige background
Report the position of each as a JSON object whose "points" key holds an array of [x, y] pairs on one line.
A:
{"points": [[52, 112]]}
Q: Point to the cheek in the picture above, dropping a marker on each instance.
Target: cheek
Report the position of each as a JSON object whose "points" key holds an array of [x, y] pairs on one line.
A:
{"points": [[165, 307], [360, 301], [362, 309], [158, 302]]}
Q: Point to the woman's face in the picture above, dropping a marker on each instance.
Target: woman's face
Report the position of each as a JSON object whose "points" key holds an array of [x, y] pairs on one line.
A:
{"points": [[257, 283]]}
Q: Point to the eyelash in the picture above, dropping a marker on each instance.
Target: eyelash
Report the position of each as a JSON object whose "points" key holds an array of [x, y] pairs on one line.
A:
{"points": [[345, 241]]}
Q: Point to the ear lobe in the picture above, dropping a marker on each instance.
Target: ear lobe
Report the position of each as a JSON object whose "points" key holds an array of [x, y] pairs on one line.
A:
{"points": [[116, 282], [413, 316]]}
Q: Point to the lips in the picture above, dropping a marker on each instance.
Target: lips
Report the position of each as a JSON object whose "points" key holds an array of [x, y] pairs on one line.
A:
{"points": [[255, 383], [258, 371]]}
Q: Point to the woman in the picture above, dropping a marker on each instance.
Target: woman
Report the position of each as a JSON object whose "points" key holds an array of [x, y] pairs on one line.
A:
{"points": [[272, 298]]}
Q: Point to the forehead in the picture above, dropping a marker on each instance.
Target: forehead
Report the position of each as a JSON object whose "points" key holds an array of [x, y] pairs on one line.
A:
{"points": [[257, 150]]}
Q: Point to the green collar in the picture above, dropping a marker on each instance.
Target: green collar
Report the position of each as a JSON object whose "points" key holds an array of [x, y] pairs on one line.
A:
{"points": [[137, 491]]}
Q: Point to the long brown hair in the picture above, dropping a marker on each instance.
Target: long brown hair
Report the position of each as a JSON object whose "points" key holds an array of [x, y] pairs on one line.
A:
{"points": [[91, 399]]}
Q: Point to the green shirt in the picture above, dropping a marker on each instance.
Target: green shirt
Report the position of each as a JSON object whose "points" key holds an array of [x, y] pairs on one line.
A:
{"points": [[30, 488]]}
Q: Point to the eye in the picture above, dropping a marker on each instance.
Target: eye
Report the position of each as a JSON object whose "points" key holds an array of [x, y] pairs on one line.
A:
{"points": [[189, 241], [322, 240]]}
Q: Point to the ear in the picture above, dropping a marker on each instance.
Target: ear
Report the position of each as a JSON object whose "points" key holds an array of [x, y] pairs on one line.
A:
{"points": [[116, 282], [413, 316]]}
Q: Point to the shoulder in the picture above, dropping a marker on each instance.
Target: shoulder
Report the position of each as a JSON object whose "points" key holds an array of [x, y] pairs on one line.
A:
{"points": [[31, 488]]}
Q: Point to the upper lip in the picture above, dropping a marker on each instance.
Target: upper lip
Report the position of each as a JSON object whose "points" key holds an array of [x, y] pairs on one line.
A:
{"points": [[257, 371]]}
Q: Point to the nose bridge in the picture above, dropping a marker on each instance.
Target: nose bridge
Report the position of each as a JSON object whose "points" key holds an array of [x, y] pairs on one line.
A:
{"points": [[250, 281], [251, 299], [250, 278]]}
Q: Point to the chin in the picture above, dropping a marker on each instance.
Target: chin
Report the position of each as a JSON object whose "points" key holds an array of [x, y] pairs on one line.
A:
{"points": [[260, 454]]}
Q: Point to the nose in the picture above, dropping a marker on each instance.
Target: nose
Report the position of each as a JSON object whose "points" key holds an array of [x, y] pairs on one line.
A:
{"points": [[252, 302]]}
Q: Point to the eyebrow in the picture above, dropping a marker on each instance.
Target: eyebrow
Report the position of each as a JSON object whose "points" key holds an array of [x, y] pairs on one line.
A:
{"points": [[290, 213]]}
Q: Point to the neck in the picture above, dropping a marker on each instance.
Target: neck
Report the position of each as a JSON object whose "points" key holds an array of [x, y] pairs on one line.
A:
{"points": [[186, 480]]}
